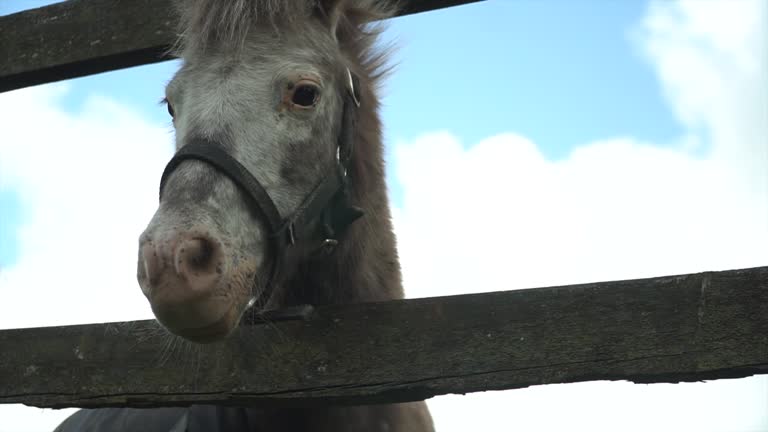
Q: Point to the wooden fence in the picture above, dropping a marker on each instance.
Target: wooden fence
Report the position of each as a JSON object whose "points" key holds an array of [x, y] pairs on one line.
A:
{"points": [[82, 37], [677, 328]]}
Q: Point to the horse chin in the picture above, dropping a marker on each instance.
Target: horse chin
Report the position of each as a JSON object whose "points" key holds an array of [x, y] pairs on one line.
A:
{"points": [[214, 332], [218, 328], [204, 320]]}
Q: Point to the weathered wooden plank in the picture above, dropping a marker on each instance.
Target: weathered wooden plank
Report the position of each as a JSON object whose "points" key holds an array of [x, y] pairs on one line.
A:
{"points": [[668, 329], [82, 37]]}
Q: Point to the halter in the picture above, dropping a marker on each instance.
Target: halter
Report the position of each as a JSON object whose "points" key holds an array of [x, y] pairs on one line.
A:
{"points": [[327, 204]]}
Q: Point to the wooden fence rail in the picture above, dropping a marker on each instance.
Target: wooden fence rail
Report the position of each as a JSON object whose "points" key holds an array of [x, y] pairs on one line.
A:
{"points": [[669, 329], [82, 37]]}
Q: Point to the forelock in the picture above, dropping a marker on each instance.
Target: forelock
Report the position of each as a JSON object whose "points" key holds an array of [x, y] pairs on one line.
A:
{"points": [[204, 23], [211, 22]]}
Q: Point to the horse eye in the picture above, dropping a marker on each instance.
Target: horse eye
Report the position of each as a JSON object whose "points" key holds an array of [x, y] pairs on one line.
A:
{"points": [[305, 95], [170, 109]]}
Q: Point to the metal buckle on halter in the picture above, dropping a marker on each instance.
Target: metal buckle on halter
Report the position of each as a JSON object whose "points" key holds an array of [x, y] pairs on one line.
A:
{"points": [[291, 233], [339, 164], [328, 246], [352, 89]]}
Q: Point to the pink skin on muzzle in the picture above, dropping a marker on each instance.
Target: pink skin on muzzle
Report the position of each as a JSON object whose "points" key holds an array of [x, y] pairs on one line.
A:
{"points": [[182, 275]]}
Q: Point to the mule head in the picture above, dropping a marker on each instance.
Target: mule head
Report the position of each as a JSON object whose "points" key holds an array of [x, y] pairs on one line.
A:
{"points": [[265, 82]]}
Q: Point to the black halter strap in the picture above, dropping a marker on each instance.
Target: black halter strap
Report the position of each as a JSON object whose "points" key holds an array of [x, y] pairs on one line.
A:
{"points": [[326, 207]]}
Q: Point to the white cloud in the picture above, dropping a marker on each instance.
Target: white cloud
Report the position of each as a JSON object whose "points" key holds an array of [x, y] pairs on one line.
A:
{"points": [[500, 216], [88, 182]]}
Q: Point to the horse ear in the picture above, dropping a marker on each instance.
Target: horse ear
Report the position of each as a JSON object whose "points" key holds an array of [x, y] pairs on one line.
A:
{"points": [[330, 12]]}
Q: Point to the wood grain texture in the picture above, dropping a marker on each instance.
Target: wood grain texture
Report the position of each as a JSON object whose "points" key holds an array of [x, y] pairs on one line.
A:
{"points": [[82, 37], [669, 329]]}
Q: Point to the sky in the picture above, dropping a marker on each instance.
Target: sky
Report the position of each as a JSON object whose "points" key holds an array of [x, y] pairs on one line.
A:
{"points": [[602, 140]]}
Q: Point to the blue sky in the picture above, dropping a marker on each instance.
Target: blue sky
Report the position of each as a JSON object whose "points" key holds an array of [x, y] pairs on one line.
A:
{"points": [[562, 73]]}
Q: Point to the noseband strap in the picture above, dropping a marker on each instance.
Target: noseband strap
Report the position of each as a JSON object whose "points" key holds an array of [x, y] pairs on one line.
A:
{"points": [[325, 209], [204, 150]]}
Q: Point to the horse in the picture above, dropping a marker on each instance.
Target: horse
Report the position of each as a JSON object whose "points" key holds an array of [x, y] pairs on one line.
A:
{"points": [[275, 197]]}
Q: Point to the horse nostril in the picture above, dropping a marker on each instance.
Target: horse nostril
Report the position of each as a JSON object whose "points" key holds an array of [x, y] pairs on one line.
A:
{"points": [[197, 257]]}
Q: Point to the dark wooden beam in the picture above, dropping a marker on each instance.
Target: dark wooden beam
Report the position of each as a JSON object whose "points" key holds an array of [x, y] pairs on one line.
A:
{"points": [[669, 329], [83, 37]]}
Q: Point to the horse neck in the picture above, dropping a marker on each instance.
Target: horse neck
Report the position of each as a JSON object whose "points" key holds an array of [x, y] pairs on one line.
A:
{"points": [[365, 265]]}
